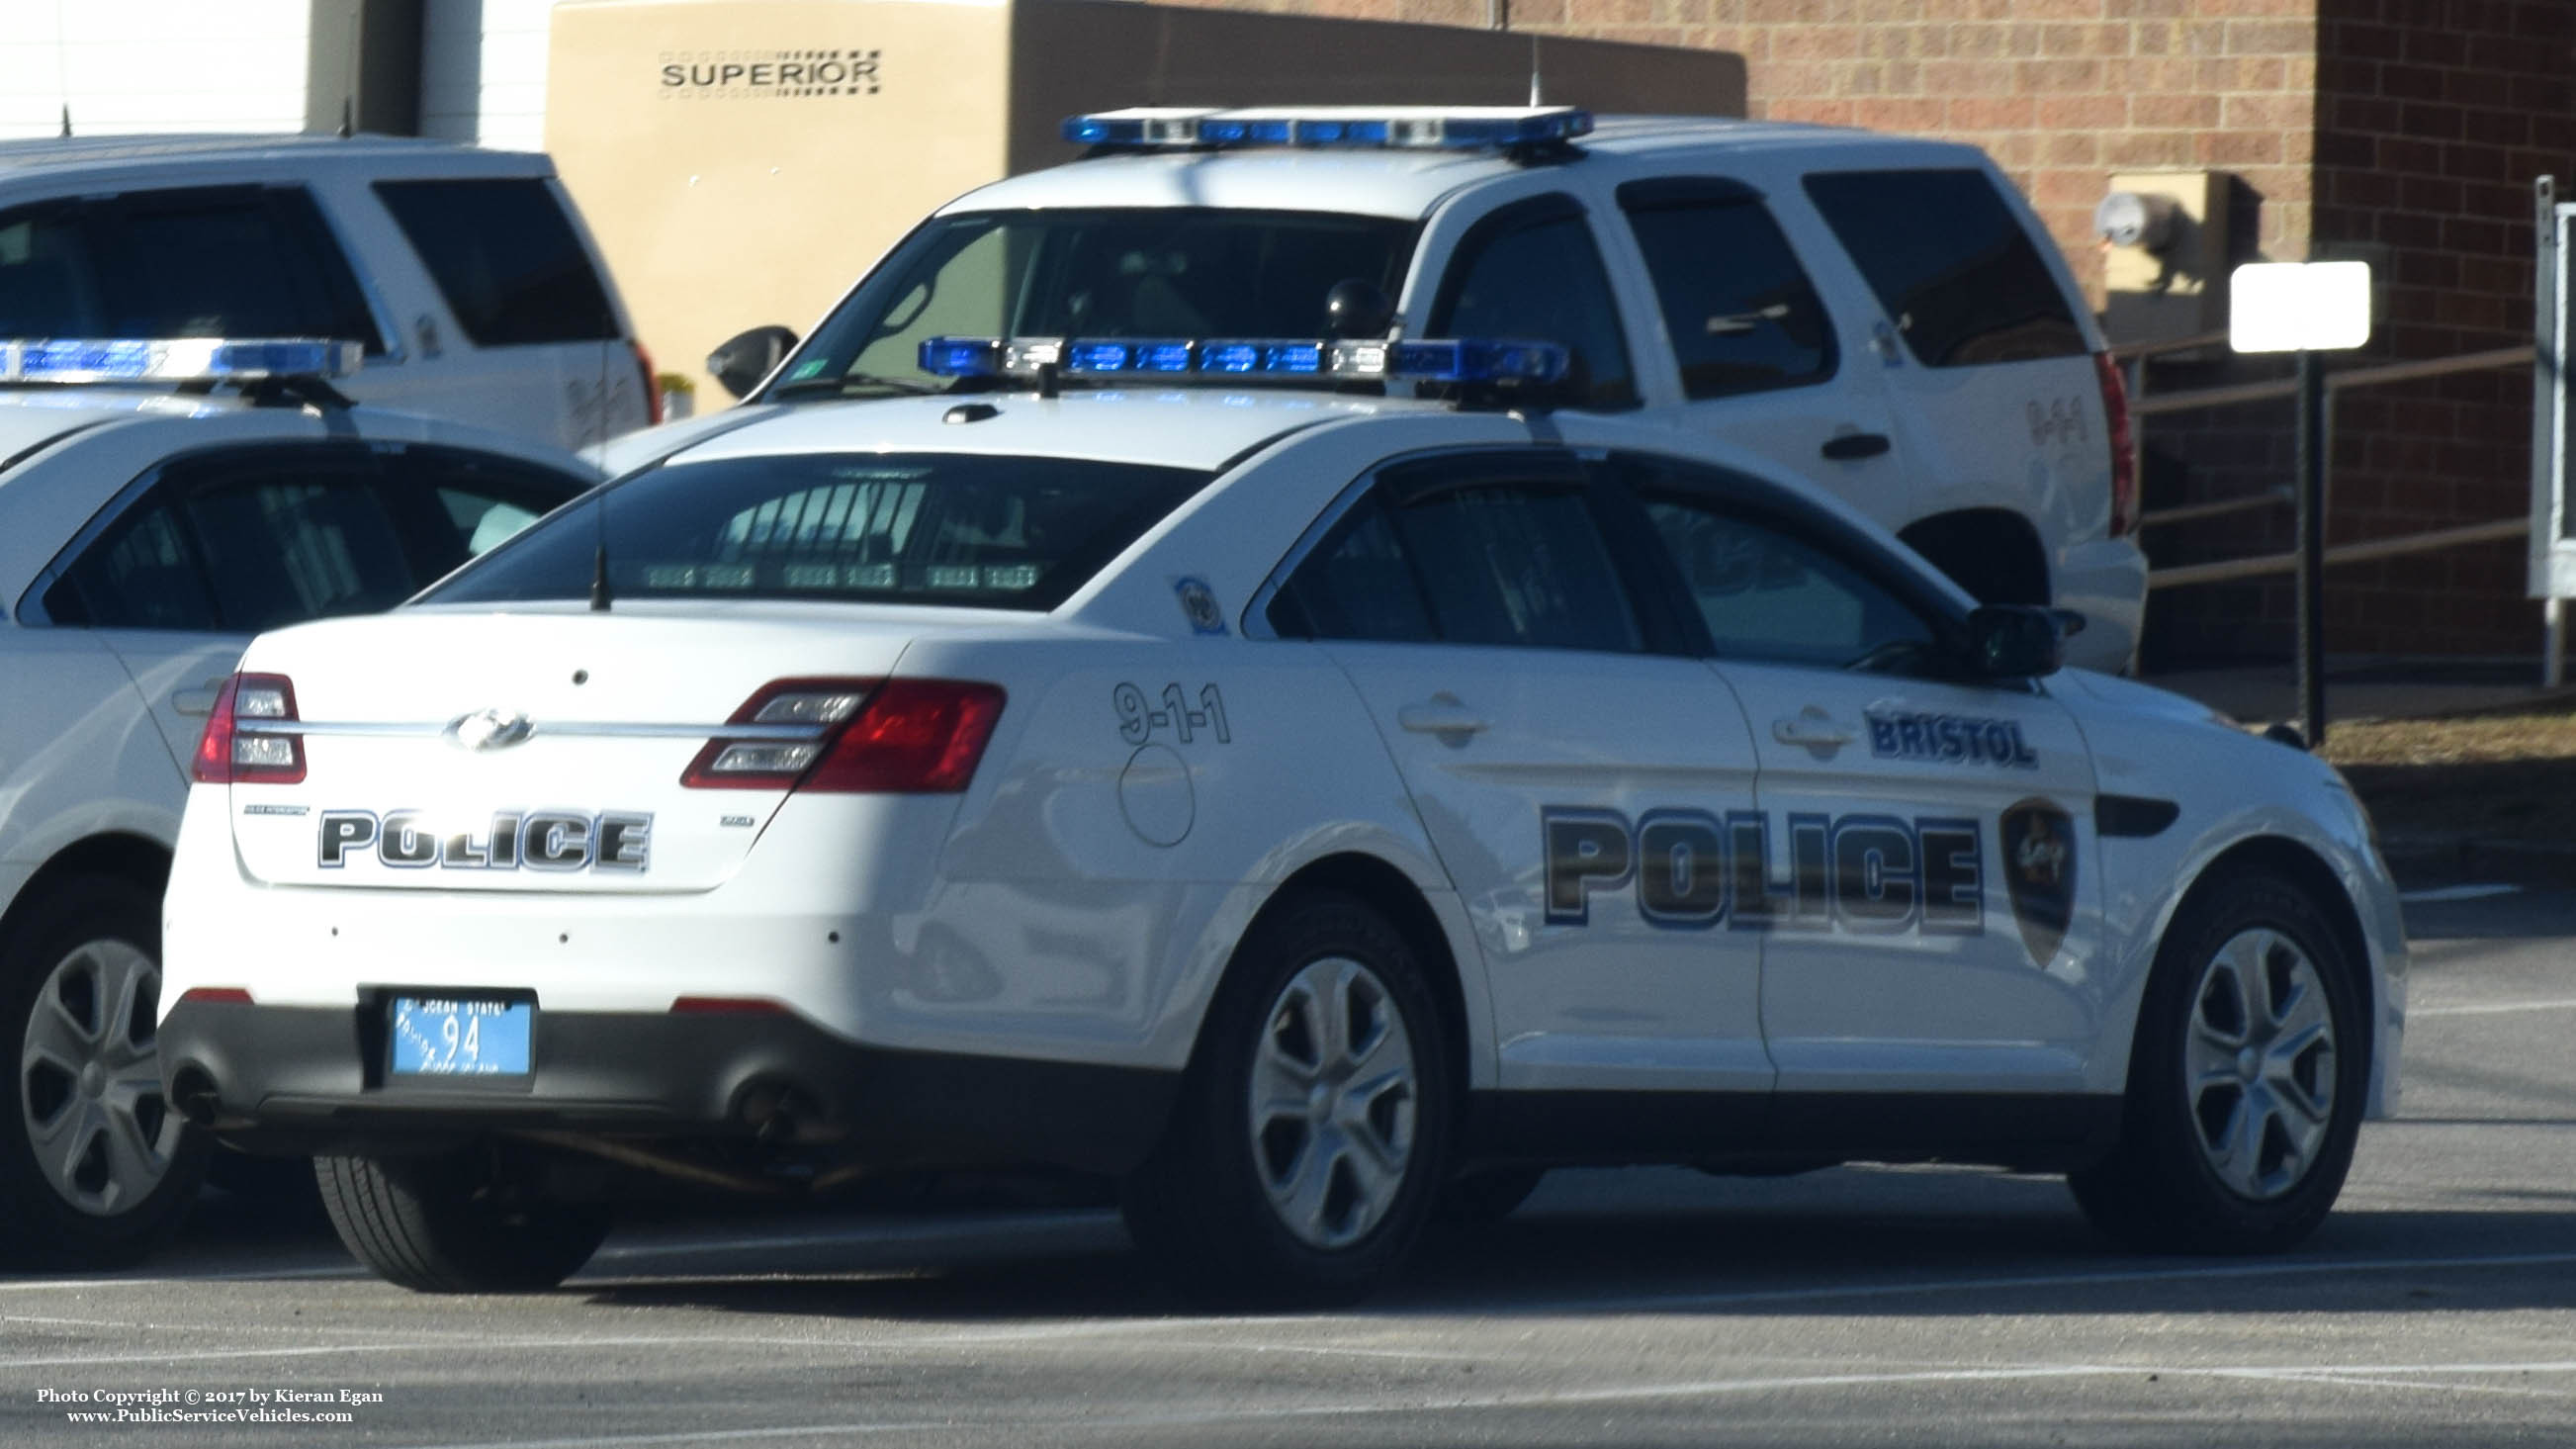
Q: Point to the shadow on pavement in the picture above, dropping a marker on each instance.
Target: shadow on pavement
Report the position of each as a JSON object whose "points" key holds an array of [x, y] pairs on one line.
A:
{"points": [[1781, 1259]]}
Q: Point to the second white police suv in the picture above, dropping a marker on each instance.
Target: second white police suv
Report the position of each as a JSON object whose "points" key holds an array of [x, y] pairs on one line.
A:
{"points": [[1878, 314], [1311, 809]]}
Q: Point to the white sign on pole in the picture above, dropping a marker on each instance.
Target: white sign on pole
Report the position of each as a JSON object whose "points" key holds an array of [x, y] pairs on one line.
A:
{"points": [[2298, 306]]}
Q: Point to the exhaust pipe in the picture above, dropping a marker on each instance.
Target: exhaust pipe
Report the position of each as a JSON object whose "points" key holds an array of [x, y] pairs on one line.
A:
{"points": [[193, 1094]]}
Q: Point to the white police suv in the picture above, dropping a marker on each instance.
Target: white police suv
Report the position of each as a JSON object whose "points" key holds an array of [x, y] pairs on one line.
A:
{"points": [[1294, 802], [160, 503], [1879, 314], [465, 274]]}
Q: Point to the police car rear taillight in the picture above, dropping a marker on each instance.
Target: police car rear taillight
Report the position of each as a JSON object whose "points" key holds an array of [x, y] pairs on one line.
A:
{"points": [[215, 996], [851, 736], [2124, 455], [249, 737]]}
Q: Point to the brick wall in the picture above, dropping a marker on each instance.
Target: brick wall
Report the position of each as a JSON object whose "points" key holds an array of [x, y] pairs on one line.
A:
{"points": [[2432, 118], [2061, 92]]}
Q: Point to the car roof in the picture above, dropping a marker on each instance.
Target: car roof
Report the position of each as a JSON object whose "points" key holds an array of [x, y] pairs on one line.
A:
{"points": [[31, 417], [1202, 427], [1407, 184], [47, 158]]}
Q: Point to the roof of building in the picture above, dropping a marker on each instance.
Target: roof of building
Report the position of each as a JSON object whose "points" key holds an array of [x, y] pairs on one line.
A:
{"points": [[47, 155]]}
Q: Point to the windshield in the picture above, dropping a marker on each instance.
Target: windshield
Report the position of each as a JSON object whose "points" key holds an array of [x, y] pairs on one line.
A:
{"points": [[918, 528], [1138, 272]]}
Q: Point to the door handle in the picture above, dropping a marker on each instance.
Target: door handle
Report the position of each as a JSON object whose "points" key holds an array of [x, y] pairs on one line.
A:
{"points": [[1848, 447], [1442, 714], [1812, 728]]}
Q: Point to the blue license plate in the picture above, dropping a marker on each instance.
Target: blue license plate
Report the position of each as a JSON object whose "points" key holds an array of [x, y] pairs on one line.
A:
{"points": [[462, 1036]]}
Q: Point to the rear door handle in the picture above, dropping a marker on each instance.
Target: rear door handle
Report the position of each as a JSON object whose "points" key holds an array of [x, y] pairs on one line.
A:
{"points": [[1442, 714], [1811, 728], [1848, 447]]}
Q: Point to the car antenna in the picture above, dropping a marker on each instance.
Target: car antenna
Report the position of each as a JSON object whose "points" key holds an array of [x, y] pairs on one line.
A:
{"points": [[67, 119], [1534, 87], [599, 564]]}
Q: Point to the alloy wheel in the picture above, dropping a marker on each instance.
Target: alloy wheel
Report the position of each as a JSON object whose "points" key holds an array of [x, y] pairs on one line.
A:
{"points": [[90, 1088], [1333, 1102], [2259, 1064]]}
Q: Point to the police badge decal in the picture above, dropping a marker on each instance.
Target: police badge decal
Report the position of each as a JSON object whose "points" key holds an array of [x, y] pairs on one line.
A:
{"points": [[2039, 870]]}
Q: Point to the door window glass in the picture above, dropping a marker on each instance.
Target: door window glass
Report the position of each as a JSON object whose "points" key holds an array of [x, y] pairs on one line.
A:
{"points": [[297, 546], [506, 259], [1531, 272], [1499, 563], [1951, 263], [1743, 317], [1768, 595], [234, 261], [141, 574], [1357, 586], [473, 501], [242, 542]]}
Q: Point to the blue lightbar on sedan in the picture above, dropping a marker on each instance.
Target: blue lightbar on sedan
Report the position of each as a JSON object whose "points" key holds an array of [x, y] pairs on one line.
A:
{"points": [[174, 359]]}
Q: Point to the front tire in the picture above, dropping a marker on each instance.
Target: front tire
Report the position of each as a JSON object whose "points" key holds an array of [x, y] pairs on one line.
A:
{"points": [[95, 1169], [1312, 1131], [2247, 1082], [454, 1224]]}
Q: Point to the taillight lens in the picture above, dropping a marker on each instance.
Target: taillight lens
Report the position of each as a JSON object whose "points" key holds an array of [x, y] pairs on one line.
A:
{"points": [[242, 744], [896, 737], [2124, 453], [216, 996]]}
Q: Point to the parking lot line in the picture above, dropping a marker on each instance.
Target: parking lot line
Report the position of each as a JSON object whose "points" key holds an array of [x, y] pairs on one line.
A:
{"points": [[2436, 895], [2496, 1008]]}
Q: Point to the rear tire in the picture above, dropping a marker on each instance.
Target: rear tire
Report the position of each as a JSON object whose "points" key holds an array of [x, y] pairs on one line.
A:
{"points": [[2247, 1082], [453, 1224], [95, 1169], [1312, 1130]]}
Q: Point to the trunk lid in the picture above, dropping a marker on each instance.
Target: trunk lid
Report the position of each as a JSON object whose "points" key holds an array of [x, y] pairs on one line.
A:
{"points": [[537, 751]]}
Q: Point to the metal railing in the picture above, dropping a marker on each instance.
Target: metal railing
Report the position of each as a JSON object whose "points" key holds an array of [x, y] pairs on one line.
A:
{"points": [[2279, 495]]}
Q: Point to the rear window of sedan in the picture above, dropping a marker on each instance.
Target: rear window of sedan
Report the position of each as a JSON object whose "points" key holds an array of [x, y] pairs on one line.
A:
{"points": [[969, 530]]}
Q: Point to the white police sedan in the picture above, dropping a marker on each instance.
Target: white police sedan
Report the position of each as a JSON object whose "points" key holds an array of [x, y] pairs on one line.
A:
{"points": [[161, 501], [1173, 762]]}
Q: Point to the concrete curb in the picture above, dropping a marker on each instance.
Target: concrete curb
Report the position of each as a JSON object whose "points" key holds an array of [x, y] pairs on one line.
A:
{"points": [[2542, 860]]}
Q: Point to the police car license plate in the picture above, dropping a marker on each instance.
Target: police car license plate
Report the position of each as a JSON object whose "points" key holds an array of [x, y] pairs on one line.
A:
{"points": [[462, 1036]]}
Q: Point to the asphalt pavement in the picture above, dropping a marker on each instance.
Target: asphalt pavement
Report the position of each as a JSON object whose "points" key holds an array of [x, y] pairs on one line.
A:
{"points": [[1857, 1306]]}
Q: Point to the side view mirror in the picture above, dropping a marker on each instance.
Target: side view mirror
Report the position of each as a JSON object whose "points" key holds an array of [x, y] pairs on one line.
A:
{"points": [[742, 360], [2014, 641]]}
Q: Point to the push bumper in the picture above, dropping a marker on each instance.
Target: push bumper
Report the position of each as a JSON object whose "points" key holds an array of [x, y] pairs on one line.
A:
{"points": [[291, 1079]]}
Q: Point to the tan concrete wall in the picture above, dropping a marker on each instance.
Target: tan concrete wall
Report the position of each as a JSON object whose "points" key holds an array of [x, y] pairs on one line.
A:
{"points": [[799, 139]]}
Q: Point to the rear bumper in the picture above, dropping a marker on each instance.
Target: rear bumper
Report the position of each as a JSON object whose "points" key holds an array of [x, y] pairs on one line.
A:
{"points": [[2106, 582], [293, 1079]]}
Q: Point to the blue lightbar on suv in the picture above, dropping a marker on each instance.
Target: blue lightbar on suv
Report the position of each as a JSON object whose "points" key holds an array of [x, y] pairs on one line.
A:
{"points": [[1464, 360], [174, 359], [1394, 127]]}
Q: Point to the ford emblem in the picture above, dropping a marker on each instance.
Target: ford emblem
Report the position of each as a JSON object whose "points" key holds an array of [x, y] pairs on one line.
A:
{"points": [[489, 729]]}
